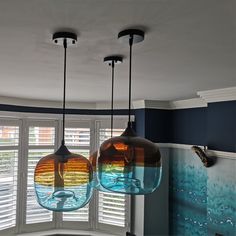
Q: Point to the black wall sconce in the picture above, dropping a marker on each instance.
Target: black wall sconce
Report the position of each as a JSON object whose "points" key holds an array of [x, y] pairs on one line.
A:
{"points": [[130, 234], [206, 160]]}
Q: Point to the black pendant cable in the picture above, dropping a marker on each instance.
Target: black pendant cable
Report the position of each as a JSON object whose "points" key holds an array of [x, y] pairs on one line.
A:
{"points": [[64, 39], [112, 95], [111, 61], [131, 36], [64, 94], [131, 39], [58, 176]]}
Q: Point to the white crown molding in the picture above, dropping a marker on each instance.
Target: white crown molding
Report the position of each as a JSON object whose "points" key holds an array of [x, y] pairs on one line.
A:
{"points": [[151, 104], [45, 103], [154, 104], [188, 103], [219, 154], [218, 95], [172, 105], [139, 104], [107, 105], [56, 104]]}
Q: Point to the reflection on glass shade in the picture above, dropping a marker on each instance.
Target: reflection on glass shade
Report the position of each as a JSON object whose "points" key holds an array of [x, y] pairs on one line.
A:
{"points": [[96, 184], [63, 181], [129, 164]]}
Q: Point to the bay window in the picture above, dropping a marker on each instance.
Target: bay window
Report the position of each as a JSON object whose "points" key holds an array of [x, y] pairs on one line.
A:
{"points": [[22, 143]]}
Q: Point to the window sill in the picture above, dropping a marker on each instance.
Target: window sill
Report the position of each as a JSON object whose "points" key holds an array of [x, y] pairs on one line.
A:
{"points": [[66, 233]]}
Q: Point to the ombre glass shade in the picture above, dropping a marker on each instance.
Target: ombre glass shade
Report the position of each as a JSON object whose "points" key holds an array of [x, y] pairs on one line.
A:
{"points": [[129, 164], [96, 184], [63, 181]]}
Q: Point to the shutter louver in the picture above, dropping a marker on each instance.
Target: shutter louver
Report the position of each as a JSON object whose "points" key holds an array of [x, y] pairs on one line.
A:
{"points": [[9, 139], [77, 137], [74, 138], [111, 209], [9, 135], [41, 136], [38, 137], [34, 212], [78, 215]]}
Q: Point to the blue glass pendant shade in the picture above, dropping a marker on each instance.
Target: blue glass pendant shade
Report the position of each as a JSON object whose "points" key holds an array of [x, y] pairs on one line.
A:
{"points": [[129, 164], [63, 181], [96, 184]]}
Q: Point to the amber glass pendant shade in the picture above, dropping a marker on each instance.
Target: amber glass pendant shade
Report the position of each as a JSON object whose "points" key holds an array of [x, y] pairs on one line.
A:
{"points": [[63, 181], [93, 161], [111, 61], [129, 164]]}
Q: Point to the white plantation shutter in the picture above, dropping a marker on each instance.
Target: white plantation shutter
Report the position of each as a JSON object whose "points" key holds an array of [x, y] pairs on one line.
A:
{"points": [[34, 212], [22, 144], [9, 136], [111, 206], [41, 143], [77, 140], [78, 215], [111, 209], [105, 133], [77, 137], [41, 136], [9, 139]]}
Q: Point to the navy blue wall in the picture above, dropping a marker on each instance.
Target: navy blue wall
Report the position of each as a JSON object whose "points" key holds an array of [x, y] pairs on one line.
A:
{"points": [[189, 126], [153, 124], [140, 122], [158, 125], [221, 125], [214, 126], [195, 192]]}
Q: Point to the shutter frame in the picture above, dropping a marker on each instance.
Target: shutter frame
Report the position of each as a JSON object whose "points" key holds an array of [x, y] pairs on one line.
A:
{"points": [[111, 206], [9, 152]]}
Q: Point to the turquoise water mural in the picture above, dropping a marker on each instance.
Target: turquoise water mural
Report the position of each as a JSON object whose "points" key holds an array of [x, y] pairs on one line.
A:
{"points": [[188, 194], [221, 201], [202, 200]]}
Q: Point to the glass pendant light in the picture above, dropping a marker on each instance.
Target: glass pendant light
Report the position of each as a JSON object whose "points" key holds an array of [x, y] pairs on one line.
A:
{"points": [[111, 61], [129, 164], [63, 180]]}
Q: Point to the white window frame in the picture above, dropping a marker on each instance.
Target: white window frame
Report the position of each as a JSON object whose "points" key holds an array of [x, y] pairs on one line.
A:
{"points": [[120, 123], [14, 122], [25, 146], [79, 224], [24, 121]]}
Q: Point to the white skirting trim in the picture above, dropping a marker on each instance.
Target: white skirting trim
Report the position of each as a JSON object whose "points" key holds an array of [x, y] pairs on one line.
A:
{"points": [[176, 145], [226, 155]]}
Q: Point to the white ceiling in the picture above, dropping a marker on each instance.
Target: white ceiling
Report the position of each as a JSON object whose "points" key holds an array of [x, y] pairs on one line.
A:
{"points": [[189, 47]]}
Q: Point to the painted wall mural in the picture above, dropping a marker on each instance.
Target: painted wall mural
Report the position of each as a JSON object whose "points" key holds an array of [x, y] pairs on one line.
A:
{"points": [[188, 194], [221, 201], [202, 201]]}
